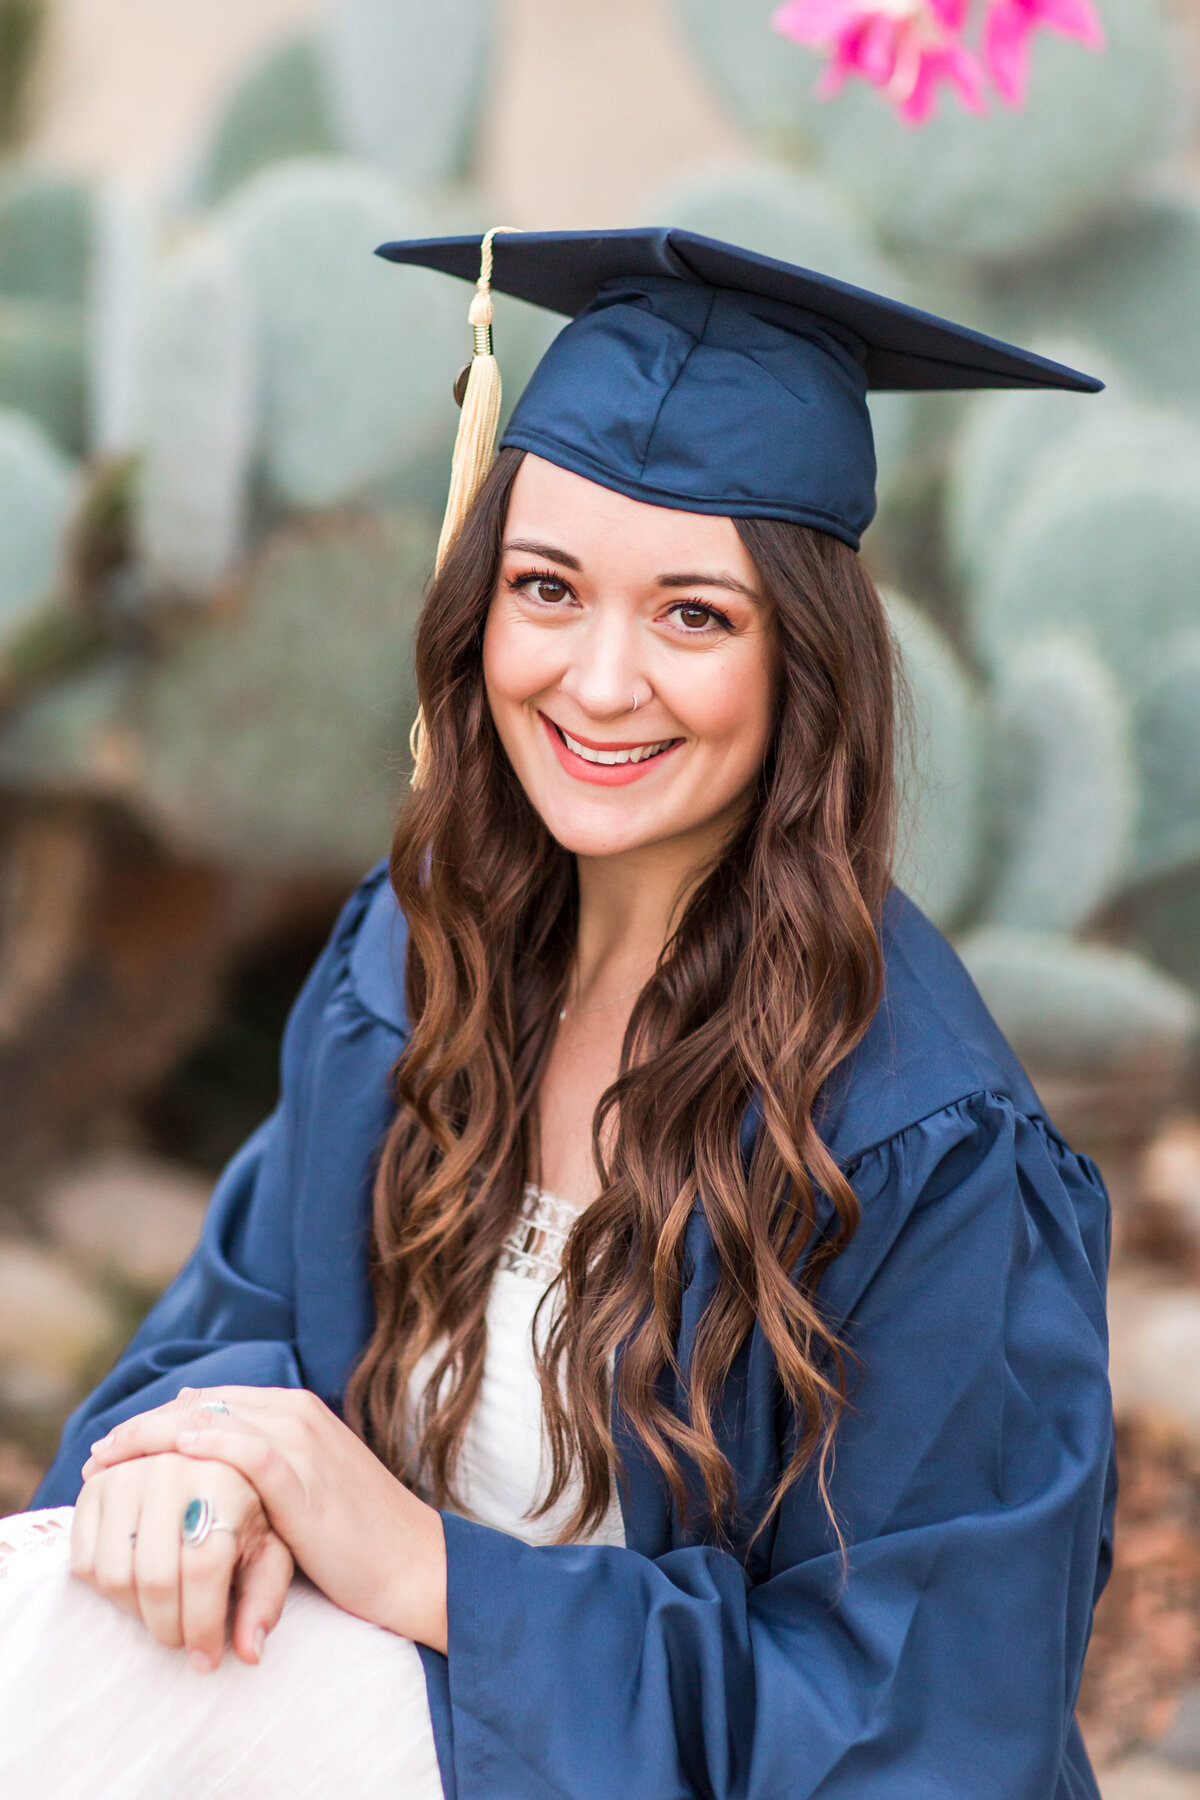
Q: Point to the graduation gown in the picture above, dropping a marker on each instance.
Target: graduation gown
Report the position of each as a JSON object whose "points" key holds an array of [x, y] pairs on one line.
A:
{"points": [[973, 1479]]}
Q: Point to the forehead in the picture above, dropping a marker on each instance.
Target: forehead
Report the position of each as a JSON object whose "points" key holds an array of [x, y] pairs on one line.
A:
{"points": [[554, 506]]}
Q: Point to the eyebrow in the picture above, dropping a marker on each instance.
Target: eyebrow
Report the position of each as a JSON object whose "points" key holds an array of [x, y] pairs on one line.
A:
{"points": [[686, 580]]}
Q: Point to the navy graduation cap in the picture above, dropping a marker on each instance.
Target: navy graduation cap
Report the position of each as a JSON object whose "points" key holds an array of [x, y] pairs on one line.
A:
{"points": [[698, 375]]}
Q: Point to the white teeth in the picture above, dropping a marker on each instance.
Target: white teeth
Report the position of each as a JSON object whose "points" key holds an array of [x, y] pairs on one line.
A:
{"points": [[642, 753]]}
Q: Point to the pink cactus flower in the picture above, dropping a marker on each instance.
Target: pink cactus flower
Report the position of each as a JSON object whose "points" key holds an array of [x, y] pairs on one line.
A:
{"points": [[906, 48], [1009, 27]]}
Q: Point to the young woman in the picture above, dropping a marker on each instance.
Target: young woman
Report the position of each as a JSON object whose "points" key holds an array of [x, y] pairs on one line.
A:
{"points": [[659, 1296]]}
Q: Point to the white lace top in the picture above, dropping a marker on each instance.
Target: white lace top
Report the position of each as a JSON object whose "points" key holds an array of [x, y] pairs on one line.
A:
{"points": [[502, 1469]]}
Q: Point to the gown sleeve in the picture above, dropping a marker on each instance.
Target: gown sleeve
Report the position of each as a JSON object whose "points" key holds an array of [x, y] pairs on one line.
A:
{"points": [[972, 1483], [230, 1315]]}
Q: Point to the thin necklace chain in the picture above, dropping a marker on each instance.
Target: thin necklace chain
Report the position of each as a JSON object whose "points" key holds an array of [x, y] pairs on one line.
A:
{"points": [[579, 1012]]}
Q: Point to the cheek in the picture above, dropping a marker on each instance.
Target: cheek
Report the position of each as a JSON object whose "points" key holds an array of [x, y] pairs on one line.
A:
{"points": [[729, 703], [517, 662]]}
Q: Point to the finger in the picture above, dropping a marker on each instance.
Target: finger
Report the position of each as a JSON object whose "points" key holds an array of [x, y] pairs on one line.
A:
{"points": [[264, 1464], [157, 1552], [261, 1589], [85, 1529], [207, 1574], [112, 1563], [151, 1434]]}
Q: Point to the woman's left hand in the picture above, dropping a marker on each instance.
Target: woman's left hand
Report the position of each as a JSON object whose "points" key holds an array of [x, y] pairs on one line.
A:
{"points": [[359, 1534]]}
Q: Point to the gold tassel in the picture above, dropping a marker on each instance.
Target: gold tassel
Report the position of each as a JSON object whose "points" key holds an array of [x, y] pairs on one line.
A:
{"points": [[474, 446]]}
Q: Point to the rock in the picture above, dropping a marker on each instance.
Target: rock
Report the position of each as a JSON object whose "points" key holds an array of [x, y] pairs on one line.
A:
{"points": [[1145, 1648], [56, 1330], [130, 1218], [1164, 1226], [1154, 1347], [1148, 1778]]}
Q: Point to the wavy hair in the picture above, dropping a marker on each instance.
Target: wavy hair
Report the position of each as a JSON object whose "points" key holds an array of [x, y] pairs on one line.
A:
{"points": [[769, 980]]}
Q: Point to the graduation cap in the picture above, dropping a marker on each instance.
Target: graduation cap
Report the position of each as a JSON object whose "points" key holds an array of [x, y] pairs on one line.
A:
{"points": [[698, 375]]}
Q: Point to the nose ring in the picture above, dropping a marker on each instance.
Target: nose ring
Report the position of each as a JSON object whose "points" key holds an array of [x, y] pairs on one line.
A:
{"points": [[634, 707]]}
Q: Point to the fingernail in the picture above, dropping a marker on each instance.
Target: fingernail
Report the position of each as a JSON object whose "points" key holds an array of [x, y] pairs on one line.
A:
{"points": [[200, 1662], [260, 1638]]}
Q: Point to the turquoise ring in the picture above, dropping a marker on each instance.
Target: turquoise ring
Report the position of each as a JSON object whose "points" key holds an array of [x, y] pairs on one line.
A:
{"points": [[199, 1519]]}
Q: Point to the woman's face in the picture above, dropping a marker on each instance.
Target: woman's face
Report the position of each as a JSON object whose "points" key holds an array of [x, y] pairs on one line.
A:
{"points": [[603, 602]]}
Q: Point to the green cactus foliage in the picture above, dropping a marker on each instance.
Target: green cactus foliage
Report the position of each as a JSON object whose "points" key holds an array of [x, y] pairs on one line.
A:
{"points": [[1063, 786], [357, 355], [1004, 186], [37, 492], [200, 418], [279, 110], [404, 79], [276, 738], [1005, 436], [766, 82], [120, 285], [68, 739], [798, 218], [1166, 928], [43, 367], [942, 767], [1105, 546], [1168, 746], [45, 237], [1077, 1009], [1133, 289], [22, 24]]}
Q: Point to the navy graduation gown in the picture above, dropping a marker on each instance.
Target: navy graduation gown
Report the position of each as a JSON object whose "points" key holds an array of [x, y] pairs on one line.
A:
{"points": [[973, 1479]]}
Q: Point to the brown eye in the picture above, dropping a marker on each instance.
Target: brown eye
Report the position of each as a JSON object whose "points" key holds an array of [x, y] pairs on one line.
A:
{"points": [[546, 588], [693, 616]]}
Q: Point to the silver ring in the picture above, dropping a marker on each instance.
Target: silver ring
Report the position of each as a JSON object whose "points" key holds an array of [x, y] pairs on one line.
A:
{"points": [[634, 707], [199, 1520], [214, 1406]]}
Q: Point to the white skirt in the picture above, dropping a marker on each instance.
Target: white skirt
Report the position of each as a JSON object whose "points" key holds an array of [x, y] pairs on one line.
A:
{"points": [[92, 1708]]}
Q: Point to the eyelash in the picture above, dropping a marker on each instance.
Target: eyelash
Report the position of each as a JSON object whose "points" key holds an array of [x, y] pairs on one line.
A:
{"points": [[519, 583]]}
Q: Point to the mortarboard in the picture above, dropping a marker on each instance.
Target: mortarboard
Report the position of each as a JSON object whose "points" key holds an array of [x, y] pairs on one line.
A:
{"points": [[698, 375]]}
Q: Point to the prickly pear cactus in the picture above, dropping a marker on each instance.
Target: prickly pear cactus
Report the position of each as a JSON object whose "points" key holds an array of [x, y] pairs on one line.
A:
{"points": [[1008, 185], [71, 738], [200, 418], [1133, 289], [1064, 786], [37, 492], [1005, 434], [764, 80], [278, 110], [1168, 745], [276, 737], [42, 366], [120, 285], [1077, 1009], [1105, 544], [403, 81], [355, 353], [799, 218], [941, 769], [45, 237]]}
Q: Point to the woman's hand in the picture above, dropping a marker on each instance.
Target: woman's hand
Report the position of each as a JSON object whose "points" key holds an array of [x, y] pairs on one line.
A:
{"points": [[359, 1534], [126, 1543]]}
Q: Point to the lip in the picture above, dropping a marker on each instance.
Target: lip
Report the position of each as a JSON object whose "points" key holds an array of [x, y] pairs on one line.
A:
{"points": [[602, 774]]}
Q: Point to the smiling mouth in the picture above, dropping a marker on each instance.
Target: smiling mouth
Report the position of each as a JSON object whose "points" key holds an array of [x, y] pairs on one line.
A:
{"points": [[628, 753]]}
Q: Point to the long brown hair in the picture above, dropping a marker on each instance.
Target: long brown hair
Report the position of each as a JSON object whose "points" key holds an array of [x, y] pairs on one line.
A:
{"points": [[768, 981]]}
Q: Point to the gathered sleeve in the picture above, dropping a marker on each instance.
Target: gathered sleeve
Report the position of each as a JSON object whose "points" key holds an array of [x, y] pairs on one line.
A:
{"points": [[973, 1485], [231, 1315]]}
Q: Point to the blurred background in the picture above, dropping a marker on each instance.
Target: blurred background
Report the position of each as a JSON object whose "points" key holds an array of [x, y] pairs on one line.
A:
{"points": [[224, 440]]}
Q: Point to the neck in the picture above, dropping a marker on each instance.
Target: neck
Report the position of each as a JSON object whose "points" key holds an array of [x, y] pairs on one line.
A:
{"points": [[629, 904]]}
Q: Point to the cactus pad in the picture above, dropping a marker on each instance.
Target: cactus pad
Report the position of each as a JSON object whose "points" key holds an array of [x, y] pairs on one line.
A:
{"points": [[37, 492], [1168, 745], [275, 737], [941, 769]]}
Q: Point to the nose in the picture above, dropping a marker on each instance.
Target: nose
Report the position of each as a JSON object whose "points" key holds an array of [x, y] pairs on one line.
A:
{"points": [[604, 670]]}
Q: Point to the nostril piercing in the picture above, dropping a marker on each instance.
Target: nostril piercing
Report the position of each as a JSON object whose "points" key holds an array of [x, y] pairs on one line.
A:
{"points": [[634, 707]]}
